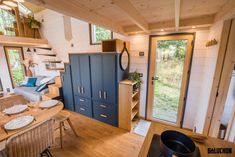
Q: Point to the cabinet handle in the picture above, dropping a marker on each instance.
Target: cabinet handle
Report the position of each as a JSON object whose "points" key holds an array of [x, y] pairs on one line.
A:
{"points": [[83, 90], [79, 90], [100, 94], [105, 95], [82, 109], [103, 106], [81, 100], [104, 116]]}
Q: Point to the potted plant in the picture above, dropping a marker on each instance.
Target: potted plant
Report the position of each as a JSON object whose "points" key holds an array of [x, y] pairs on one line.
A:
{"points": [[32, 23], [135, 77]]}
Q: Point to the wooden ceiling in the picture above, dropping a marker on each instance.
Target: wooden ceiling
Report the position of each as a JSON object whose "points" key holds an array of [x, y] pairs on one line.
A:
{"points": [[131, 16]]}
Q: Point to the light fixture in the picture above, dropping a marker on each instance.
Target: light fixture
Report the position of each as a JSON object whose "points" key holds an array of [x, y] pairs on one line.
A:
{"points": [[162, 30], [2, 6], [28, 50], [193, 27], [10, 3]]}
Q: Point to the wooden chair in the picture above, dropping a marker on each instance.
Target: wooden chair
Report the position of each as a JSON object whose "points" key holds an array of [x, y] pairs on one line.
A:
{"points": [[32, 142], [61, 118]]}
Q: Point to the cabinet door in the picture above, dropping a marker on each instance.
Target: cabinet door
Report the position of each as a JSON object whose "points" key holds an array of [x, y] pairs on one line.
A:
{"points": [[67, 89], [83, 106], [105, 113], [75, 69], [85, 76], [109, 78], [96, 76]]}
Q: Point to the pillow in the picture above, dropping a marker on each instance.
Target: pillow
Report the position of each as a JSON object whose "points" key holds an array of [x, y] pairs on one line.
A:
{"points": [[31, 82], [39, 78], [41, 87], [46, 80]]}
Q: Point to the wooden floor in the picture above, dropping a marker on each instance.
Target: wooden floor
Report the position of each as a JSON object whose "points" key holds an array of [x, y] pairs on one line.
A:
{"points": [[97, 139]]}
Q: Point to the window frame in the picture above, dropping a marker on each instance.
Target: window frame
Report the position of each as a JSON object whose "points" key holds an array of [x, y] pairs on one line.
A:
{"points": [[8, 62], [91, 36]]}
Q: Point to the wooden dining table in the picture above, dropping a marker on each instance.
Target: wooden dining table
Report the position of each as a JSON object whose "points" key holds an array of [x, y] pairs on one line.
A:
{"points": [[39, 114]]}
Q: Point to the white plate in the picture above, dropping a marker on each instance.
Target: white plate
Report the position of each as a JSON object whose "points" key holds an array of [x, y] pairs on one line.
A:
{"points": [[48, 103], [15, 109], [19, 122]]}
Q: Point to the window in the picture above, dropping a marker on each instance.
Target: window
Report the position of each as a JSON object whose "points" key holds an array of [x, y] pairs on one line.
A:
{"points": [[97, 34], [7, 20], [14, 56]]}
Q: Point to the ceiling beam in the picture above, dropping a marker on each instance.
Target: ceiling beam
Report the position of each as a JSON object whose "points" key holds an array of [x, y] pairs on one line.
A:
{"points": [[227, 11], [200, 21], [74, 9], [132, 13], [177, 15]]}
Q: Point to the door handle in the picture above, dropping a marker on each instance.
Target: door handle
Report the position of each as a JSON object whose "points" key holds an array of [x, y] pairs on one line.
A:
{"points": [[155, 78], [103, 106], [79, 90], [62, 79], [100, 94], [103, 115], [82, 109], [82, 90], [105, 95], [81, 100]]}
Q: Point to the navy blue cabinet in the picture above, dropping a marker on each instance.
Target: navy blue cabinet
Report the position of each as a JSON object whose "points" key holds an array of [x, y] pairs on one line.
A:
{"points": [[94, 85], [109, 79], [96, 77], [103, 78], [80, 68], [67, 88]]}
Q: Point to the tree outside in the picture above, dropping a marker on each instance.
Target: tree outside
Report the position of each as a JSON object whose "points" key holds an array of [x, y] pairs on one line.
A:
{"points": [[102, 34], [170, 56], [17, 68]]}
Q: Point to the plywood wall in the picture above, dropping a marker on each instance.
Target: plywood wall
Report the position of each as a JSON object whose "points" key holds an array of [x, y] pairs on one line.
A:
{"points": [[208, 74]]}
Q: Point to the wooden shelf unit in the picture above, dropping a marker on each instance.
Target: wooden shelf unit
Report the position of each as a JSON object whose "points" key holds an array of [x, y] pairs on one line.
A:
{"points": [[129, 102]]}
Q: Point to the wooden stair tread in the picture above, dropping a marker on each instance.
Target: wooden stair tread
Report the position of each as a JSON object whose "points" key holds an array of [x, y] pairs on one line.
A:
{"points": [[47, 54], [55, 85], [51, 95]]}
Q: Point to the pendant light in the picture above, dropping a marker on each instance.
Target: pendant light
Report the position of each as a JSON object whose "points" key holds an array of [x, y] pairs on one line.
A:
{"points": [[10, 3]]}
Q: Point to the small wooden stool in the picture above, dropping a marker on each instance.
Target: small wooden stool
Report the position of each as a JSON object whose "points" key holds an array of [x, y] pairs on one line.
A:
{"points": [[61, 118]]}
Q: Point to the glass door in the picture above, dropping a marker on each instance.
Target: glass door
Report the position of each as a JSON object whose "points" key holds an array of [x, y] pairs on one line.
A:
{"points": [[169, 66], [15, 58]]}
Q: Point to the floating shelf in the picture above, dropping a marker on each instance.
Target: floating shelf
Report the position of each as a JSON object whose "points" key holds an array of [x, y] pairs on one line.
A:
{"points": [[55, 69], [51, 61]]}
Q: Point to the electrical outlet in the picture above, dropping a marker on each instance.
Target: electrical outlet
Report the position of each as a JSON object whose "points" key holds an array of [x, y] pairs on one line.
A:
{"points": [[141, 53]]}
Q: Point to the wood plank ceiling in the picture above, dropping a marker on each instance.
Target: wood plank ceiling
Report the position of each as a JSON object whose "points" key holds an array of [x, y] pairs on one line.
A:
{"points": [[132, 16]]}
